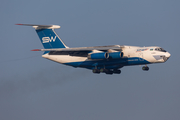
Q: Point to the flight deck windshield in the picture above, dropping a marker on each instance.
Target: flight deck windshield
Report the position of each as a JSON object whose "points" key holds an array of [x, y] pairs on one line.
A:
{"points": [[160, 49]]}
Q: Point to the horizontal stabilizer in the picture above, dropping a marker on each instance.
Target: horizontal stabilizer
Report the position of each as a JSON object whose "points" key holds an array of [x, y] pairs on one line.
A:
{"points": [[36, 50], [42, 26]]}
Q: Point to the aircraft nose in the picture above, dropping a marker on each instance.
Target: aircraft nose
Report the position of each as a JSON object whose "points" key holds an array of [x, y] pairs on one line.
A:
{"points": [[167, 56]]}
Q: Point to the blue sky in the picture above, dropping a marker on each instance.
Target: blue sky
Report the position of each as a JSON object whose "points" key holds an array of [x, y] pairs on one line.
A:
{"points": [[32, 87]]}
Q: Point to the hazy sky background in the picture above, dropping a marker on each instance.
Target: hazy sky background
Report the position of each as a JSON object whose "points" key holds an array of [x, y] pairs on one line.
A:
{"points": [[33, 88]]}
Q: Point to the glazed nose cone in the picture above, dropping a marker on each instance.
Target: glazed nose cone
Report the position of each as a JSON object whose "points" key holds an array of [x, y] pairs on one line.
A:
{"points": [[167, 56]]}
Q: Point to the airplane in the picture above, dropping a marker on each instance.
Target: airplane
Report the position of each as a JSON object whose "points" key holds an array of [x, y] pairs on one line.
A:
{"points": [[100, 59]]}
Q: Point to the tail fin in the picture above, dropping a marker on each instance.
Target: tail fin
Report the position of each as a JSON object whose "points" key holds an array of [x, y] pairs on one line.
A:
{"points": [[48, 36]]}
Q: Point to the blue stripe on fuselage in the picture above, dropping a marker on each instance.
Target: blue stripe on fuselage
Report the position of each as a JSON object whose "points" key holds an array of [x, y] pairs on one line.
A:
{"points": [[109, 64]]}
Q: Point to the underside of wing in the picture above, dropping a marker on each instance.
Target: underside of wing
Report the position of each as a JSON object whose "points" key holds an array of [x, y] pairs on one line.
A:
{"points": [[71, 53]]}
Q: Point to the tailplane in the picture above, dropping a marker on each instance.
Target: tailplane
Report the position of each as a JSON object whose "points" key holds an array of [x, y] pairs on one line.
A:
{"points": [[48, 36]]}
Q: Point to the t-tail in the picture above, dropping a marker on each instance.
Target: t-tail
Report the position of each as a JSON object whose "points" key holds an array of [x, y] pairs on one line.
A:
{"points": [[47, 36]]}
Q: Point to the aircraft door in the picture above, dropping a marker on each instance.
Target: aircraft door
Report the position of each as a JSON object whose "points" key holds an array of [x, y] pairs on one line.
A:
{"points": [[141, 56]]}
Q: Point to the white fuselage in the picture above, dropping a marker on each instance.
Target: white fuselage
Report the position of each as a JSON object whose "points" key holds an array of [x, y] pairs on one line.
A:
{"points": [[134, 56]]}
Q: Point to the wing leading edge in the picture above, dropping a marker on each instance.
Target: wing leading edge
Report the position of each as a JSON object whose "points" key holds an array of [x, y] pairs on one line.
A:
{"points": [[81, 51]]}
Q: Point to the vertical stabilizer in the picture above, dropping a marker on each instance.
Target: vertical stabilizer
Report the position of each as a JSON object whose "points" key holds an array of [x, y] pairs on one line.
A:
{"points": [[48, 36]]}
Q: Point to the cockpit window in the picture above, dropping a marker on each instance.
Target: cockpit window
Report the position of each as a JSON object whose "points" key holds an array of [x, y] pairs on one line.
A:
{"points": [[160, 49]]}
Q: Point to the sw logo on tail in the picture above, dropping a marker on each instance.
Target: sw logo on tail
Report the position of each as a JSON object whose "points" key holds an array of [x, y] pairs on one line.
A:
{"points": [[99, 59], [47, 39]]}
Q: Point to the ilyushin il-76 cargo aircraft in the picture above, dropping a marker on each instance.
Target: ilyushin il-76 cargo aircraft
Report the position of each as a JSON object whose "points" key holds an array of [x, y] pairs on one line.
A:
{"points": [[100, 59]]}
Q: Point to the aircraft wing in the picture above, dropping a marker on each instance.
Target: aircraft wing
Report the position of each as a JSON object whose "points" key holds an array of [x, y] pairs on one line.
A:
{"points": [[80, 51], [100, 48]]}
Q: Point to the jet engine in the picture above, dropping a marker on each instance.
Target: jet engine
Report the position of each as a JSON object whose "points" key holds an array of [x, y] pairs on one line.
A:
{"points": [[115, 55], [100, 55], [105, 55]]}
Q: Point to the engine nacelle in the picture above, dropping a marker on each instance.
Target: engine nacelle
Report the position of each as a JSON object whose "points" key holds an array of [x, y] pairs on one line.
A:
{"points": [[100, 55], [115, 55]]}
